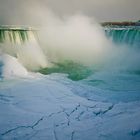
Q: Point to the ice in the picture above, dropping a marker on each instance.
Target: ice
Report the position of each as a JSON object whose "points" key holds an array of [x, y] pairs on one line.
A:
{"points": [[48, 108], [12, 67]]}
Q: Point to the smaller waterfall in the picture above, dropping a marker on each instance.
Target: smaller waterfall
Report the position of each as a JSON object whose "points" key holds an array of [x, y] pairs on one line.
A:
{"points": [[23, 44], [128, 36], [17, 36]]}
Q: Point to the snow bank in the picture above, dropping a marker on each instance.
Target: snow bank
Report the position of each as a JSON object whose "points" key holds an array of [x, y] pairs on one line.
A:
{"points": [[47, 109], [12, 67]]}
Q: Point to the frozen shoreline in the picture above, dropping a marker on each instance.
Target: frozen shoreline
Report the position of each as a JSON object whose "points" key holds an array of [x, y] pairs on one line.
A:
{"points": [[46, 108]]}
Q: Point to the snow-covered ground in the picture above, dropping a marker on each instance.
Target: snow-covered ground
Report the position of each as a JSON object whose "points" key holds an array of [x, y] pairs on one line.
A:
{"points": [[53, 107]]}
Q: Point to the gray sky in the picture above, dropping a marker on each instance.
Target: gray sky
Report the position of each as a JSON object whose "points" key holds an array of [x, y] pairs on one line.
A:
{"points": [[22, 11]]}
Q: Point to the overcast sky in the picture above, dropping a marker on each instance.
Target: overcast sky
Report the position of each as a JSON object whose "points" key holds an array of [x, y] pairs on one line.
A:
{"points": [[14, 11]]}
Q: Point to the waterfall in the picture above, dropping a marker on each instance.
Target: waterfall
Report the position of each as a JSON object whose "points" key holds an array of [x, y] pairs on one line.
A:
{"points": [[17, 36], [128, 36], [22, 44]]}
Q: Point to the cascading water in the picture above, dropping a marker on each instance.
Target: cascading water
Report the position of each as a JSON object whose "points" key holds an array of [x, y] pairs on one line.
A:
{"points": [[17, 35], [127, 35], [22, 44]]}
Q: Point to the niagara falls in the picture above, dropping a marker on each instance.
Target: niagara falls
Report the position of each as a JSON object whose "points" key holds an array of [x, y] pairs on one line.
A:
{"points": [[69, 70]]}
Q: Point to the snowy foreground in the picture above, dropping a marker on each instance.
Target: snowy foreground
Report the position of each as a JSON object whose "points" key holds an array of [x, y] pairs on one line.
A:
{"points": [[55, 108]]}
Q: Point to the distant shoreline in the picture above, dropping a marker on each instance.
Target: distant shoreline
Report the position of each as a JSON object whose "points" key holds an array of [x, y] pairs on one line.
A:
{"points": [[125, 23], [104, 24]]}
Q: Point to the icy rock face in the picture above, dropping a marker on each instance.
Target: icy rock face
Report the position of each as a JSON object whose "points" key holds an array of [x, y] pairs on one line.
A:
{"points": [[48, 109]]}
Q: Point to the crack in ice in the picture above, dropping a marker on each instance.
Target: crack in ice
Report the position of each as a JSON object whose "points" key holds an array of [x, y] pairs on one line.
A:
{"points": [[29, 126], [135, 132], [101, 112]]}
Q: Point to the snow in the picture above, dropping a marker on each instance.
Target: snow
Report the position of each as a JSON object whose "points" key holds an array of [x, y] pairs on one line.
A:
{"points": [[12, 67], [53, 107]]}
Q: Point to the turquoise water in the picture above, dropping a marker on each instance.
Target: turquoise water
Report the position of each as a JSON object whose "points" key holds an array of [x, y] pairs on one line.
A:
{"points": [[74, 70], [127, 35]]}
